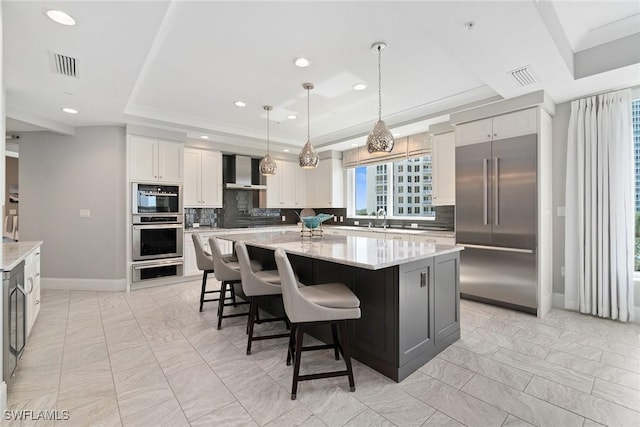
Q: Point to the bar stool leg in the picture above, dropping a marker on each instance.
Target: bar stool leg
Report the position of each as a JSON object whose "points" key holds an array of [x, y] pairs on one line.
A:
{"points": [[346, 353], [253, 307], [223, 291], [204, 285], [296, 363], [233, 295], [334, 333], [292, 343]]}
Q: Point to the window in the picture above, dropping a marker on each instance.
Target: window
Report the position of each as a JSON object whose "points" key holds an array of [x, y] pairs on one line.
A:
{"points": [[382, 187]]}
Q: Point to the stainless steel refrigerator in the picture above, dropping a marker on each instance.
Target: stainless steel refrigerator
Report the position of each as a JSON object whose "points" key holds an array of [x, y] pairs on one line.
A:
{"points": [[496, 221]]}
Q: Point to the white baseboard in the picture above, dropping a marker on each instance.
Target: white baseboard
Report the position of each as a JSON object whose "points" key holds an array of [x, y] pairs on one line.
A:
{"points": [[114, 285], [3, 396], [558, 302]]}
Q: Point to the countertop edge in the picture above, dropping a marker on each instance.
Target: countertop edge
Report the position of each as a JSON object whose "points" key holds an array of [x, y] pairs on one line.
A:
{"points": [[20, 252]]}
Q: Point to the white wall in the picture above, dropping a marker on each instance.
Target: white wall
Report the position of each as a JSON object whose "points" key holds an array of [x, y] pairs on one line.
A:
{"points": [[59, 176]]}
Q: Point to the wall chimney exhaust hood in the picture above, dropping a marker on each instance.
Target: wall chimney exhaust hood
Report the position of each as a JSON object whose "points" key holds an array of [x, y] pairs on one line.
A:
{"points": [[239, 171]]}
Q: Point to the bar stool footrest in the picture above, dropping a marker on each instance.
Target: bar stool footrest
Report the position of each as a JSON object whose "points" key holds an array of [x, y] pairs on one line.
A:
{"points": [[320, 375], [266, 337]]}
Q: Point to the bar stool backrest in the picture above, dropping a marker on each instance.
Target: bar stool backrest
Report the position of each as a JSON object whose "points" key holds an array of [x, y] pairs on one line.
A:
{"points": [[252, 285], [203, 260], [222, 271]]}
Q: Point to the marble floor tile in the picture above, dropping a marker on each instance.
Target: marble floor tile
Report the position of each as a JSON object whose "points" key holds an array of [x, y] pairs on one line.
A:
{"points": [[35, 381], [296, 417], [125, 355], [621, 361], [199, 391], [447, 372], [592, 407], [159, 332], [513, 421], [438, 419], [84, 384], [454, 403], [396, 406], [166, 414], [579, 350], [595, 369], [43, 401], [176, 355], [369, 418], [330, 400], [524, 406], [79, 353], [498, 371], [142, 387], [260, 395], [231, 415], [102, 412], [618, 394], [546, 369]]}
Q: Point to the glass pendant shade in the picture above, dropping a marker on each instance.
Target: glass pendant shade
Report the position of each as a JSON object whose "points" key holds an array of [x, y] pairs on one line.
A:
{"points": [[308, 157], [380, 138], [268, 166]]}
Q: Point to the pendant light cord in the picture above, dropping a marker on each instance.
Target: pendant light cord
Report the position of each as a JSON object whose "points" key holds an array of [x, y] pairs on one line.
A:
{"points": [[379, 84], [308, 133]]}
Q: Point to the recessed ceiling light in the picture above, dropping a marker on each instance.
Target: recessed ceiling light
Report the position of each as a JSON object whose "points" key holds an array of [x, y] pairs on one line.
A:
{"points": [[60, 17], [286, 150], [204, 137], [395, 134], [301, 62], [70, 110], [292, 117], [354, 145], [359, 86], [239, 104]]}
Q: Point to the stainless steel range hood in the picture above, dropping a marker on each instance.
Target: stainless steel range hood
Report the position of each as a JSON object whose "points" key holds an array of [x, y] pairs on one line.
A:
{"points": [[243, 171]]}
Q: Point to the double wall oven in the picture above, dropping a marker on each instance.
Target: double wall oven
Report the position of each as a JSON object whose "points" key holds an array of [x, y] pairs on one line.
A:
{"points": [[157, 231]]}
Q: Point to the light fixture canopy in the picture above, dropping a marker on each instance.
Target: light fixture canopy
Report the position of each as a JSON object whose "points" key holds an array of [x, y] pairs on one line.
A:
{"points": [[380, 138], [268, 166], [308, 157]]}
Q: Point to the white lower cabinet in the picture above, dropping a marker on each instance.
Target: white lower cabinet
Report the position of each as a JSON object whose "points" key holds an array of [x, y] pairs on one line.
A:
{"points": [[32, 287]]}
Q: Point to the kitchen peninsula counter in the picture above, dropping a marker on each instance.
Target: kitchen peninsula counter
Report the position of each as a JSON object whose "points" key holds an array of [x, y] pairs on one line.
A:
{"points": [[15, 252], [408, 291]]}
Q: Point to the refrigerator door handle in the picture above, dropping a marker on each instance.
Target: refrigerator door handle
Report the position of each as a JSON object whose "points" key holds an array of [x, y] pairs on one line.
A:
{"points": [[485, 192], [497, 248], [496, 192]]}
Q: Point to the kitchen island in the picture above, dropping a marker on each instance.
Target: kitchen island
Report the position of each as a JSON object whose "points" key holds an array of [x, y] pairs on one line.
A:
{"points": [[408, 291]]}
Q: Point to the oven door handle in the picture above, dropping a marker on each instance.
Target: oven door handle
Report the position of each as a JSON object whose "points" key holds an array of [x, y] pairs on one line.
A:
{"points": [[157, 264], [151, 226]]}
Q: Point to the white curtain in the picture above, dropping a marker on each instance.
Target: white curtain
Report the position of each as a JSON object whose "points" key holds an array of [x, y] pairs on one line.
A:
{"points": [[599, 217]]}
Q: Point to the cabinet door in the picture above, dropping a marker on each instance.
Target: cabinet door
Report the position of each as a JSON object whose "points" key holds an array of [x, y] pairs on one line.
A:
{"points": [[287, 184], [143, 158], [515, 124], [190, 265], [211, 179], [170, 161], [446, 295], [416, 310], [273, 188], [474, 132], [444, 169], [301, 186], [192, 183]]}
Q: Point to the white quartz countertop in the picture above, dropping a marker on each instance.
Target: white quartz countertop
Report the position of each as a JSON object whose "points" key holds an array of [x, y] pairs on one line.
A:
{"points": [[13, 253], [365, 252], [413, 231]]}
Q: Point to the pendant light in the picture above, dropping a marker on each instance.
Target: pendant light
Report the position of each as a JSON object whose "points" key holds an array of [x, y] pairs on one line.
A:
{"points": [[308, 157], [268, 166], [380, 138]]}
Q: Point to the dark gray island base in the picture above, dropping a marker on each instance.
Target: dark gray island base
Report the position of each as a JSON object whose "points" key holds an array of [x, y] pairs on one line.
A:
{"points": [[410, 311]]}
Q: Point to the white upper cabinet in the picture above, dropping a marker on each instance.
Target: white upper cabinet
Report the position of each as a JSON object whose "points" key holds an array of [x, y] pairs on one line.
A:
{"points": [[152, 159], [500, 127], [444, 169], [325, 185], [202, 178], [300, 177], [284, 188]]}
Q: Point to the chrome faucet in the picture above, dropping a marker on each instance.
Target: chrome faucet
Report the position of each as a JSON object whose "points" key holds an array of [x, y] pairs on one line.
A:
{"points": [[384, 216]]}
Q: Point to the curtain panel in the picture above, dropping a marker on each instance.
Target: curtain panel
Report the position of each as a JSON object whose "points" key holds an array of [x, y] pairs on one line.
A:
{"points": [[599, 217]]}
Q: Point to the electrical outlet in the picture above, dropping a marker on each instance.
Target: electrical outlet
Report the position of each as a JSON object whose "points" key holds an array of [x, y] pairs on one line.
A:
{"points": [[356, 222], [85, 213], [284, 218], [562, 271], [414, 225], [335, 219], [341, 218]]}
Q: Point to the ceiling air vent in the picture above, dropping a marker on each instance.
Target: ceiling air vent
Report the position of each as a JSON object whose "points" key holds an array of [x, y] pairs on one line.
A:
{"points": [[523, 76], [64, 65]]}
